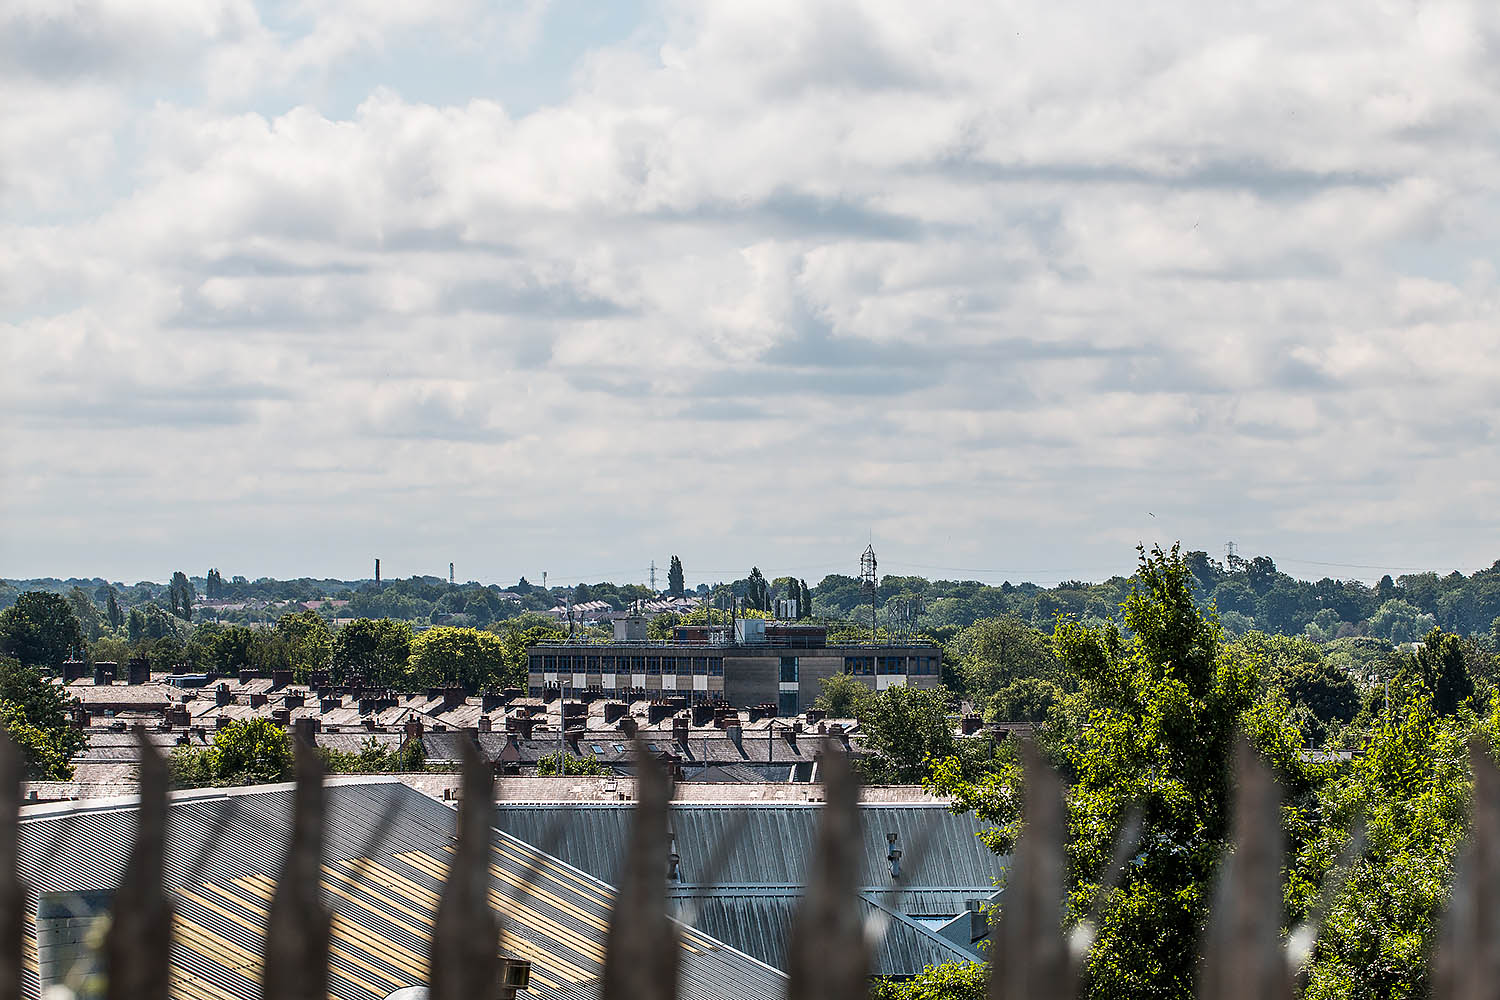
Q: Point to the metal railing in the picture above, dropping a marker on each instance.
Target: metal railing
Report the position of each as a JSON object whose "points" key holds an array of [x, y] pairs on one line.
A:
{"points": [[1245, 953]]}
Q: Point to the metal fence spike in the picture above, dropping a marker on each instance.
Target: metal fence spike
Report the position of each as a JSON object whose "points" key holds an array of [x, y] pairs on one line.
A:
{"points": [[1242, 955], [12, 891], [465, 963], [138, 946], [1466, 965], [1028, 956], [298, 926], [828, 954], [641, 948]]}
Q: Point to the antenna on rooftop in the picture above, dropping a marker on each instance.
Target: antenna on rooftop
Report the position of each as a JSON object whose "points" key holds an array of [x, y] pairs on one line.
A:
{"points": [[653, 576], [869, 582]]}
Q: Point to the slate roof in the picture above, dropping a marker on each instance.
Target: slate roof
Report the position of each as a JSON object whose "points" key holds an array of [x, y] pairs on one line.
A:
{"points": [[386, 848]]}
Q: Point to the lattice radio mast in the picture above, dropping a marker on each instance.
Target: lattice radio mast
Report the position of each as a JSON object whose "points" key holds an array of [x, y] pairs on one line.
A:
{"points": [[869, 583]]}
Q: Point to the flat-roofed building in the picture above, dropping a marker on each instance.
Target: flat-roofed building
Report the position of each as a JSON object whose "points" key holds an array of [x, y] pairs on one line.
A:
{"points": [[758, 662]]}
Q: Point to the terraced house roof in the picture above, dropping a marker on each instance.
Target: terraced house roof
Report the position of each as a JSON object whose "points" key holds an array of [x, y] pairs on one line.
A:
{"points": [[386, 853]]}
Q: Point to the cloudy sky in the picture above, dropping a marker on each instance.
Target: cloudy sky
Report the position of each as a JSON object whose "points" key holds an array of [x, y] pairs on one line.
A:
{"points": [[551, 285]]}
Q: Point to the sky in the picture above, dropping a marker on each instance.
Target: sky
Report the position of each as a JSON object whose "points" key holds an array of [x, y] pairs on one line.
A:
{"points": [[1002, 289]]}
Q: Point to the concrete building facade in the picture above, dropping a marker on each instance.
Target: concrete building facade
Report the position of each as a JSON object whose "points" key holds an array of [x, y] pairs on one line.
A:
{"points": [[756, 663]]}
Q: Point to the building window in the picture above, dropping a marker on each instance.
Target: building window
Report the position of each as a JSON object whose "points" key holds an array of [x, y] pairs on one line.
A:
{"points": [[593, 664], [609, 665], [859, 665], [535, 691], [669, 665], [638, 664], [716, 666], [892, 665], [788, 670], [700, 666], [653, 666], [549, 663], [536, 664], [786, 705]]}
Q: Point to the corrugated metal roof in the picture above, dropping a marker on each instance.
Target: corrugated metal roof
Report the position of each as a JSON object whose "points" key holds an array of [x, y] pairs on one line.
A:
{"points": [[760, 923], [945, 863], [386, 848]]}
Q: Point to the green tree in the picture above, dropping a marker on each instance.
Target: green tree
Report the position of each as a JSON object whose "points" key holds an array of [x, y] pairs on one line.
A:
{"points": [[516, 636], [464, 657], [1153, 719], [676, 585], [1400, 621], [89, 619], [374, 757], [843, 697], [308, 641], [180, 594], [248, 752], [1411, 789], [1440, 666], [1026, 699], [37, 713], [804, 600], [994, 652], [112, 609], [40, 630], [232, 649], [376, 649], [906, 729], [758, 592], [564, 763], [949, 981]]}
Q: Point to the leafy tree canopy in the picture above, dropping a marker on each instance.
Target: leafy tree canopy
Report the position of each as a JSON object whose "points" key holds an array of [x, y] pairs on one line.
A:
{"points": [[40, 630]]}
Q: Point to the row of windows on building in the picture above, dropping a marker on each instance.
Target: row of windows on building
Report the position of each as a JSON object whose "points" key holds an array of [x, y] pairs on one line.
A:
{"points": [[699, 666], [886, 665], [693, 697]]}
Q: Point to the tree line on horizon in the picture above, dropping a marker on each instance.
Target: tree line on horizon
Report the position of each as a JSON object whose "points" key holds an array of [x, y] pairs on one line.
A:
{"points": [[1248, 594]]}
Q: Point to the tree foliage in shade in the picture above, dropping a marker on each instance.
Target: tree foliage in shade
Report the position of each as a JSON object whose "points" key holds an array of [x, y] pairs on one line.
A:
{"points": [[180, 596], [40, 630], [373, 648], [1441, 669], [112, 610], [35, 712], [758, 591], [676, 584]]}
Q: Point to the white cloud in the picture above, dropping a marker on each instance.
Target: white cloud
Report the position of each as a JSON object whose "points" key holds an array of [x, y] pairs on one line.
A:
{"points": [[985, 281]]}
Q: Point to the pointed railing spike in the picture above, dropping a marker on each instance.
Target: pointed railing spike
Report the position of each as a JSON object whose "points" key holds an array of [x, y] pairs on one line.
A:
{"points": [[465, 960], [1243, 957], [138, 945], [641, 948], [828, 955], [1028, 955], [1466, 965], [298, 926], [12, 891]]}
